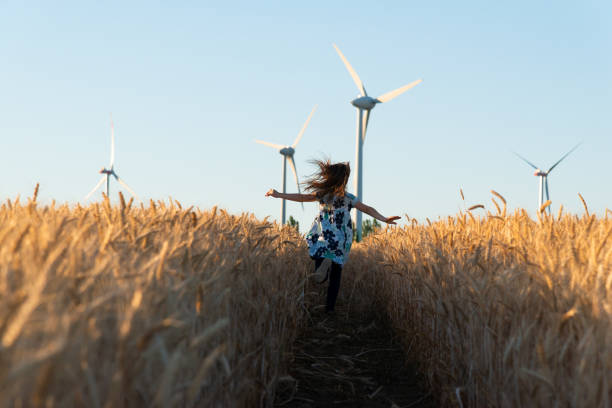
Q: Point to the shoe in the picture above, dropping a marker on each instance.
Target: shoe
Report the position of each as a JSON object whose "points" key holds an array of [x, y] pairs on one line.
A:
{"points": [[322, 272]]}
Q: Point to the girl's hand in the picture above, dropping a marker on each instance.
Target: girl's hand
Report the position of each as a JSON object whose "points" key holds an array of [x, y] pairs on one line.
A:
{"points": [[272, 192], [391, 220]]}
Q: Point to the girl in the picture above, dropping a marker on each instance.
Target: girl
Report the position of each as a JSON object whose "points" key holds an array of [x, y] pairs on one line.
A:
{"points": [[331, 235]]}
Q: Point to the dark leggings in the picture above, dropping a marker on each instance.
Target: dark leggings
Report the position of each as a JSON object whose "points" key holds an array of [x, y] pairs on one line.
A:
{"points": [[335, 273]]}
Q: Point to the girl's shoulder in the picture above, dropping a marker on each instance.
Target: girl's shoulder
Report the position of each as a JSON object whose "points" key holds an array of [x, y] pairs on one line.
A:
{"points": [[323, 198], [350, 199], [350, 196]]}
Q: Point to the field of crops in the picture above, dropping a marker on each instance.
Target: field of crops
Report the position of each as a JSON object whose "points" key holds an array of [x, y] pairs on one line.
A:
{"points": [[159, 305], [500, 310], [122, 306]]}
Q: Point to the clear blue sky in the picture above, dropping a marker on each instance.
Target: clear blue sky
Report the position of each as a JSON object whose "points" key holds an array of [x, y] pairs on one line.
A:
{"points": [[191, 86]]}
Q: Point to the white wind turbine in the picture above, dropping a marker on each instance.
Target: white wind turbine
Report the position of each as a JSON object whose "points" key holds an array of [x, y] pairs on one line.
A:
{"points": [[543, 175], [287, 152], [107, 173], [364, 105]]}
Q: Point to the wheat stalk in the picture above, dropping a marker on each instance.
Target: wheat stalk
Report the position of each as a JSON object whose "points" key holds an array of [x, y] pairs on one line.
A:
{"points": [[544, 206], [584, 204]]}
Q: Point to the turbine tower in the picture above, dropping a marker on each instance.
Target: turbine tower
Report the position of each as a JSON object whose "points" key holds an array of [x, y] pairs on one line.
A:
{"points": [[364, 105], [107, 173], [543, 175], [288, 152]]}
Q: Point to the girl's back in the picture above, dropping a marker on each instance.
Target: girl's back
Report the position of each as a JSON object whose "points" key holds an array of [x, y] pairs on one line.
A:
{"points": [[331, 233]]}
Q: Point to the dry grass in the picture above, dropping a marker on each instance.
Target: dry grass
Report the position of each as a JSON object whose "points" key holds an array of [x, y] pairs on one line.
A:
{"points": [[106, 306], [500, 310]]}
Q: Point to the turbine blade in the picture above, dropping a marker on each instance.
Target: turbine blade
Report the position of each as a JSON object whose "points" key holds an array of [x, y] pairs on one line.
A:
{"points": [[366, 119], [112, 153], [299, 136], [95, 188], [352, 72], [561, 159], [390, 95], [546, 185], [526, 161], [126, 187], [276, 146], [292, 163]]}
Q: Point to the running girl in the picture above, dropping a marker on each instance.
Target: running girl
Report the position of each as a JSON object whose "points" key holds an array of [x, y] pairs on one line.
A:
{"points": [[331, 235]]}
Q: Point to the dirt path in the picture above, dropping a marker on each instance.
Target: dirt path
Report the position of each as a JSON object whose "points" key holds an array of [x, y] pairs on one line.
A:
{"points": [[350, 359]]}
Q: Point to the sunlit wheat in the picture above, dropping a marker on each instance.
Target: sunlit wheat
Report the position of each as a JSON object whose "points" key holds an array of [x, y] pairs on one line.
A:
{"points": [[108, 306], [510, 311]]}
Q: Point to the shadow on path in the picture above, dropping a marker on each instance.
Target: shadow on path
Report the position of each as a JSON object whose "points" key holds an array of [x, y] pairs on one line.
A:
{"points": [[350, 359]]}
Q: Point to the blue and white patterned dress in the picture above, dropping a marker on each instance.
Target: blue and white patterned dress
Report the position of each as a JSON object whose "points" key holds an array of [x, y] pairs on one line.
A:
{"points": [[331, 233]]}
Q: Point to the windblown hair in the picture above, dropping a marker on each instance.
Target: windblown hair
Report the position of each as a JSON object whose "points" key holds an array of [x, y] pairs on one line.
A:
{"points": [[330, 180]]}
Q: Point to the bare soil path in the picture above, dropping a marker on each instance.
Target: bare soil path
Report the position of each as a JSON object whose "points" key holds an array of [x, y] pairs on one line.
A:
{"points": [[350, 359]]}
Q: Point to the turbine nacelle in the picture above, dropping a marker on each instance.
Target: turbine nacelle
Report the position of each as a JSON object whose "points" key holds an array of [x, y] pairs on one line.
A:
{"points": [[104, 170], [364, 102], [287, 151], [539, 172]]}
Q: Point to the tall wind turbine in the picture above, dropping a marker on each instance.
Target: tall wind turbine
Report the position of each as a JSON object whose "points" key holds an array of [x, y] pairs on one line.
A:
{"points": [[107, 173], [287, 152], [364, 105], [543, 175]]}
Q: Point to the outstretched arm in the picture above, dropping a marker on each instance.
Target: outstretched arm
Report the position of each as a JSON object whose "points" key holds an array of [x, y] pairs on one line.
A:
{"points": [[371, 211], [300, 198]]}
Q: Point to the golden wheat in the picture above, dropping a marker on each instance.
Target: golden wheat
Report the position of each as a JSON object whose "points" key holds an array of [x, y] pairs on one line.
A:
{"points": [[159, 306], [108, 306], [499, 310]]}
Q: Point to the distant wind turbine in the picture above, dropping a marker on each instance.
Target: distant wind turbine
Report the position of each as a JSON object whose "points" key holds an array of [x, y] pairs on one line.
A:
{"points": [[107, 173], [543, 175], [288, 152], [364, 105]]}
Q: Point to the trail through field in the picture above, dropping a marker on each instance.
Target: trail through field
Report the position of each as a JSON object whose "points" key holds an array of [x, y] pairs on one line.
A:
{"points": [[350, 359]]}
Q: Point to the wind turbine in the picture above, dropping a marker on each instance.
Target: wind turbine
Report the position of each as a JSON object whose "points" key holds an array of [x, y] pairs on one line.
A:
{"points": [[287, 152], [107, 173], [364, 105], [543, 175]]}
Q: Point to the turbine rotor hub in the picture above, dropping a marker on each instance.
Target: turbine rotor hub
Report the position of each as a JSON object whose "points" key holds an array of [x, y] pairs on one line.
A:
{"points": [[107, 171], [287, 151], [364, 102]]}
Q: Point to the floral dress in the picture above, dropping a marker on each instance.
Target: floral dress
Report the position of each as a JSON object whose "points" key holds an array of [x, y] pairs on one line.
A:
{"points": [[331, 234]]}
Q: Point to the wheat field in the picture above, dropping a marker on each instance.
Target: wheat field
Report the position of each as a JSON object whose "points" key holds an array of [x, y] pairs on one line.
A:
{"points": [[157, 305], [500, 310], [106, 306]]}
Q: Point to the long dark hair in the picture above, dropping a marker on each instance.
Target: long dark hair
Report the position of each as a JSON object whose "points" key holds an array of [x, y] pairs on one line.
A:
{"points": [[330, 180]]}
